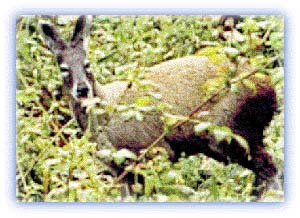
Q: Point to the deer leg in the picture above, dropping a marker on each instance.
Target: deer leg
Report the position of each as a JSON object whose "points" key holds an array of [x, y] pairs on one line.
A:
{"points": [[192, 145], [250, 121]]}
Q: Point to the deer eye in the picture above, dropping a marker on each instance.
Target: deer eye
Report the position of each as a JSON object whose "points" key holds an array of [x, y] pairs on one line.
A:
{"points": [[64, 68], [86, 63]]}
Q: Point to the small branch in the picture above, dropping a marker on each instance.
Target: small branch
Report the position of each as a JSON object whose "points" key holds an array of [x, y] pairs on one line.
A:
{"points": [[268, 32], [204, 44]]}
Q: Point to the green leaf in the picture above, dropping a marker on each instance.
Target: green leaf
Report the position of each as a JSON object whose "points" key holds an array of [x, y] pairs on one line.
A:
{"points": [[121, 108], [276, 40], [150, 182], [185, 190], [146, 108], [105, 154], [137, 188], [161, 198], [139, 116], [231, 52], [51, 161], [278, 75], [128, 114], [199, 128], [243, 142], [250, 85], [171, 177], [79, 174], [170, 120], [235, 88], [157, 96], [143, 101], [222, 133], [250, 25], [214, 188], [123, 154]]}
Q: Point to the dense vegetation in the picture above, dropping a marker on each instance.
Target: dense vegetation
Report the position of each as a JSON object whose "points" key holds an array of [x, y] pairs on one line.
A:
{"points": [[55, 162]]}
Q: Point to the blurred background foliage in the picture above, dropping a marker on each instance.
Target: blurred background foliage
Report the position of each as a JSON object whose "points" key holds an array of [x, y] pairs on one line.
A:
{"points": [[55, 162]]}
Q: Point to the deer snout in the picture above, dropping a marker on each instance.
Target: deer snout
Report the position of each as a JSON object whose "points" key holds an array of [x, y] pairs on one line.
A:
{"points": [[82, 91]]}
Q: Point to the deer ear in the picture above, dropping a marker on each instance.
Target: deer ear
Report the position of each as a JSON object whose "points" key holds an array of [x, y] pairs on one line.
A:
{"points": [[51, 37], [81, 30]]}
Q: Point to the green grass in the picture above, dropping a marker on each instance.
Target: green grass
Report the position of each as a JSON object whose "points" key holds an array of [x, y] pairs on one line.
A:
{"points": [[54, 163]]}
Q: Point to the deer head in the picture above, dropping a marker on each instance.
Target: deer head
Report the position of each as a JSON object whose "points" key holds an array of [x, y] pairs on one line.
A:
{"points": [[78, 81]]}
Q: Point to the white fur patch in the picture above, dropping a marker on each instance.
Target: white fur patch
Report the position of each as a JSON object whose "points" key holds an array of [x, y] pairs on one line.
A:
{"points": [[64, 66]]}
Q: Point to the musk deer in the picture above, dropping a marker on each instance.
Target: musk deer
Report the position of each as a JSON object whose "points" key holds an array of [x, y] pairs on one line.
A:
{"points": [[178, 83]]}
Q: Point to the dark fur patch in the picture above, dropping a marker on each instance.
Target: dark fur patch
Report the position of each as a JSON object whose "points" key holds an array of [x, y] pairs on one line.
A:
{"points": [[81, 22], [49, 31]]}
